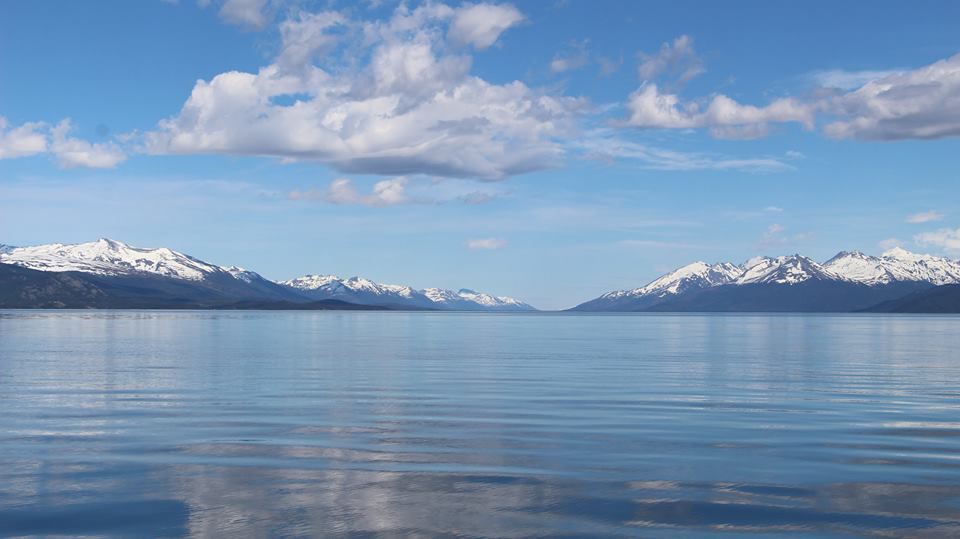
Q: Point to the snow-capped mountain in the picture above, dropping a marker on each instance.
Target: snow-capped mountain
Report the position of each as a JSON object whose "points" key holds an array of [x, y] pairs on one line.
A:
{"points": [[693, 276], [108, 257], [466, 297], [782, 270], [876, 276], [365, 291], [165, 273], [895, 265]]}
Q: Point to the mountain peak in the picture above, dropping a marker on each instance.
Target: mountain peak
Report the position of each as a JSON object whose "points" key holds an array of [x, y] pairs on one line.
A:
{"points": [[364, 291], [900, 252], [108, 257], [791, 269]]}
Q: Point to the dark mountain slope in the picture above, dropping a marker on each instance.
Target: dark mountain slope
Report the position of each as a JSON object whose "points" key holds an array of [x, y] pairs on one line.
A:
{"points": [[808, 296], [22, 288], [939, 299]]}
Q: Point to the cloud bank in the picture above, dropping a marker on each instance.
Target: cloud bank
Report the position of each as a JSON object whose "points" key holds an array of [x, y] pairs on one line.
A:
{"points": [[922, 103], [411, 106]]}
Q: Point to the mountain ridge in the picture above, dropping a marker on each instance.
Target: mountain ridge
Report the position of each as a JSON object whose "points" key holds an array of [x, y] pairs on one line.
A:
{"points": [[855, 280], [170, 275]]}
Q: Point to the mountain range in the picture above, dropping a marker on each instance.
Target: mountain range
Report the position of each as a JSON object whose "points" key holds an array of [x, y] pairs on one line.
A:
{"points": [[848, 282], [111, 274]]}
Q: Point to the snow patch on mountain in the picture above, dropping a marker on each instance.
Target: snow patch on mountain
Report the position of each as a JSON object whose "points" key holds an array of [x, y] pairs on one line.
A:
{"points": [[242, 274], [366, 291], [783, 270]]}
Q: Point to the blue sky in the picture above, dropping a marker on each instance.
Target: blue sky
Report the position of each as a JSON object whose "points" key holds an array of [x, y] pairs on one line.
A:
{"points": [[550, 151]]}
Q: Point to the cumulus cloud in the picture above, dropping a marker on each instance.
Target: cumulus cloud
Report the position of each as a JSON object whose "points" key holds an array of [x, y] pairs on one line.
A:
{"points": [[21, 141], [925, 217], [486, 244], [306, 37], [480, 25], [677, 59], [923, 103], [73, 152], [412, 108], [650, 108], [947, 239], [34, 138], [920, 104]]}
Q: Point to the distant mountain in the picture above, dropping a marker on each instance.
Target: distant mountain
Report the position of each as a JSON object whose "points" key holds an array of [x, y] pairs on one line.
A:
{"points": [[939, 299], [687, 279], [109, 257], [849, 281], [110, 273], [895, 265], [364, 291]]}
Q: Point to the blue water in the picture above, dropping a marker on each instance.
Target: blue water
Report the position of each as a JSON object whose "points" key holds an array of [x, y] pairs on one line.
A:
{"points": [[359, 424]]}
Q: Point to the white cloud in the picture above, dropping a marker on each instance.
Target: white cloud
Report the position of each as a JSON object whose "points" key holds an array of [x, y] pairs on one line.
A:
{"points": [[73, 152], [847, 80], [600, 145], [341, 191], [678, 59], [775, 236], [480, 25], [925, 217], [249, 13], [889, 243], [305, 37], [920, 104], [570, 60], [923, 103], [946, 238], [397, 191], [33, 138], [486, 243], [649, 108], [21, 141], [412, 108]]}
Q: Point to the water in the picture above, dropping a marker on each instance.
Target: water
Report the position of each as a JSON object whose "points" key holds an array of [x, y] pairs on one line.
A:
{"points": [[362, 424]]}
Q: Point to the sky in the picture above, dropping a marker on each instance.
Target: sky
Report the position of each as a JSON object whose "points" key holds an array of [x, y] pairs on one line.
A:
{"points": [[550, 151]]}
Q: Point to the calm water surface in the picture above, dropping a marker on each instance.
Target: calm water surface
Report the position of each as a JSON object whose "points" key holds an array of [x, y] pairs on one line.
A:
{"points": [[332, 424]]}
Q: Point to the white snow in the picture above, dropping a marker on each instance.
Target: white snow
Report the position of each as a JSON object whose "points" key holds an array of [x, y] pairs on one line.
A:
{"points": [[335, 286], [783, 270], [111, 257], [108, 257], [894, 265], [242, 274], [691, 276]]}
